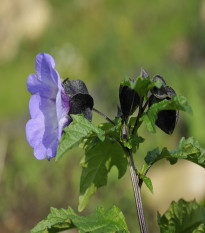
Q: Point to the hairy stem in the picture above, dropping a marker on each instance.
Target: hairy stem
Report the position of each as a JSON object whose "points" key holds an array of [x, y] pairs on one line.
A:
{"points": [[137, 194], [103, 115]]}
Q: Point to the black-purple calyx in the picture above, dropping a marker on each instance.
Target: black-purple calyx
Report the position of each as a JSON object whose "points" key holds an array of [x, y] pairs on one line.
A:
{"points": [[80, 100], [166, 119], [129, 101]]}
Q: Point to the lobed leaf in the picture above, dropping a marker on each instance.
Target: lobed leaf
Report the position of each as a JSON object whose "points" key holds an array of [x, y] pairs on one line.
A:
{"points": [[188, 149], [176, 103], [75, 132], [98, 161], [99, 221], [182, 217]]}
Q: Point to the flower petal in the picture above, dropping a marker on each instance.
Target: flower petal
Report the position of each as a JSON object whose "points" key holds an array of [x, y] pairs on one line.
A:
{"points": [[34, 133], [42, 129], [34, 104], [36, 86], [62, 109], [45, 69]]}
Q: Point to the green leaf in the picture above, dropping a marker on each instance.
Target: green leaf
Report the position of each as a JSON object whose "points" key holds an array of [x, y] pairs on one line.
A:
{"points": [[141, 85], [155, 155], [97, 163], [191, 150], [177, 102], [183, 217], [147, 182], [99, 221], [133, 142], [56, 221], [144, 169], [188, 149], [75, 132], [111, 130]]}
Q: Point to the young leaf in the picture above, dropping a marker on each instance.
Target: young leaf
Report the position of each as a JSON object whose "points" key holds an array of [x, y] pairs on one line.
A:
{"points": [[99, 221], [176, 103], [144, 169], [133, 142], [141, 85], [78, 129], [147, 182], [110, 130], [188, 149], [187, 217], [97, 163]]}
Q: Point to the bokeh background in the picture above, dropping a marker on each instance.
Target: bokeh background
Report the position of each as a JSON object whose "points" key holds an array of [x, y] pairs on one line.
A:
{"points": [[100, 42]]}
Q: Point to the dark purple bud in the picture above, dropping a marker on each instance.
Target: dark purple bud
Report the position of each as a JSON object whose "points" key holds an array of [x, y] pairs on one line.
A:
{"points": [[144, 73], [160, 93], [129, 100], [166, 119], [119, 111], [80, 100]]}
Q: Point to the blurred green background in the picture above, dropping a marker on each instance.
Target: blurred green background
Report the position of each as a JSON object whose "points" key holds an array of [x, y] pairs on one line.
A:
{"points": [[99, 42]]}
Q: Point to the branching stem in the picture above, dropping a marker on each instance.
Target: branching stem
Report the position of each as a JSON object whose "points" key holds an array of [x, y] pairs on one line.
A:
{"points": [[141, 180], [134, 177], [103, 115]]}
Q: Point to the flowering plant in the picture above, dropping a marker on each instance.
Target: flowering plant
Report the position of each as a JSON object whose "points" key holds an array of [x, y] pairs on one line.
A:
{"points": [[61, 114]]}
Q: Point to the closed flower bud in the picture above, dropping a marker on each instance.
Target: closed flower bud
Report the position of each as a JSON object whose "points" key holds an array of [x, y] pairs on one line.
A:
{"points": [[129, 101], [166, 119]]}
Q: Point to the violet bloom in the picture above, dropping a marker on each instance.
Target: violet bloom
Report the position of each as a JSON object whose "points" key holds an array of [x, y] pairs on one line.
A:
{"points": [[49, 106]]}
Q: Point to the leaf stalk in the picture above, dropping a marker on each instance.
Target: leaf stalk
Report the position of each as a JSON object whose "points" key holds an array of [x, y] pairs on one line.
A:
{"points": [[103, 115]]}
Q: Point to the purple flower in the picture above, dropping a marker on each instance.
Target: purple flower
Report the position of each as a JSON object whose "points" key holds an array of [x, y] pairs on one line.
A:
{"points": [[49, 106]]}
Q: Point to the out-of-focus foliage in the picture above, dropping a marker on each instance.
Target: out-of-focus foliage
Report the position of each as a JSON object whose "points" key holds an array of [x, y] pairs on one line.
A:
{"points": [[99, 42], [183, 217]]}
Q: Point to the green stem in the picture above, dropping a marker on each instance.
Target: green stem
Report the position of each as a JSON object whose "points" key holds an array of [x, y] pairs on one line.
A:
{"points": [[141, 180], [141, 111], [103, 115], [137, 122], [137, 194]]}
